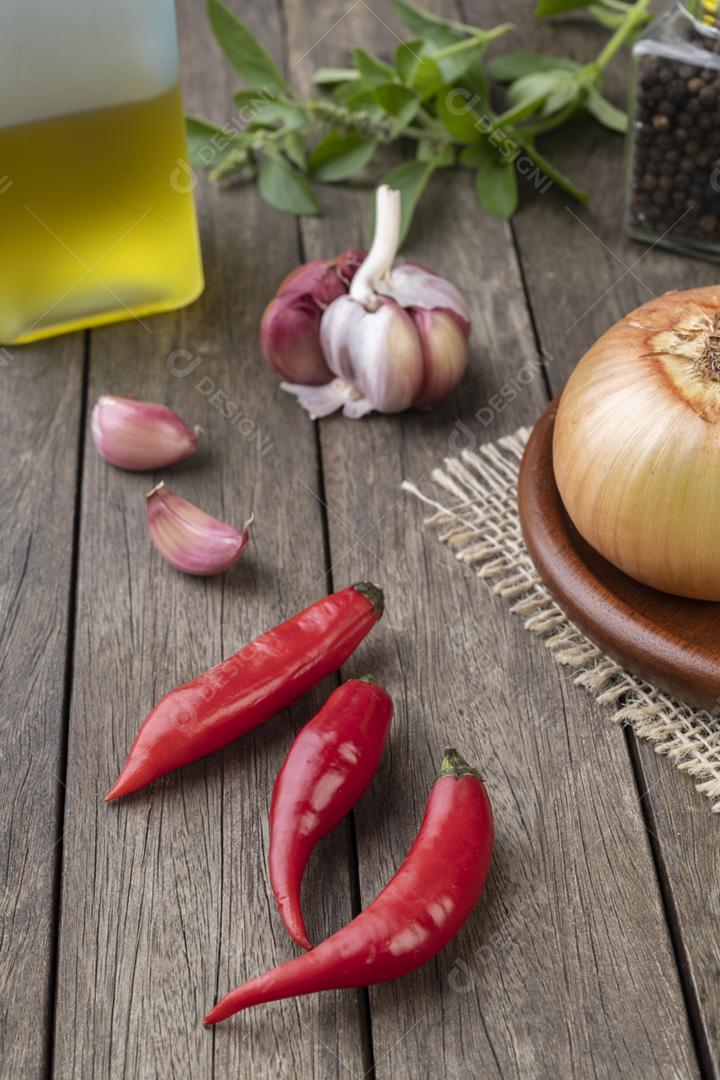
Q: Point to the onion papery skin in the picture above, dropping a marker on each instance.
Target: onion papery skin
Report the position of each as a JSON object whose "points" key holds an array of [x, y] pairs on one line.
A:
{"points": [[636, 445]]}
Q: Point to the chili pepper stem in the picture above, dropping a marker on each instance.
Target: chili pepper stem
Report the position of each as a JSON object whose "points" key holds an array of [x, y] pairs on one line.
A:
{"points": [[373, 593], [453, 764]]}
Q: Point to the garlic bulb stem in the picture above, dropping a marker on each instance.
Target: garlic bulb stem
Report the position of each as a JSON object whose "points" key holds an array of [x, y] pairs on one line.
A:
{"points": [[380, 258]]}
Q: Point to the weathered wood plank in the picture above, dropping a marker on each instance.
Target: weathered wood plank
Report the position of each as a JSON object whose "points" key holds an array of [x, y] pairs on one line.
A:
{"points": [[40, 403], [571, 308], [165, 896], [567, 968]]}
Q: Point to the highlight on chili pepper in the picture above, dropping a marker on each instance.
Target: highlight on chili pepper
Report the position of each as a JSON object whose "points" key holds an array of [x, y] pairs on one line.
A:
{"points": [[397, 340], [188, 538], [329, 766], [250, 686], [140, 435], [416, 914]]}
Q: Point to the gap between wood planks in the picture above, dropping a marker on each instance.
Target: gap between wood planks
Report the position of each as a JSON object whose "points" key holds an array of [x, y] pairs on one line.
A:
{"points": [[367, 1049], [692, 1004], [690, 997], [67, 699]]}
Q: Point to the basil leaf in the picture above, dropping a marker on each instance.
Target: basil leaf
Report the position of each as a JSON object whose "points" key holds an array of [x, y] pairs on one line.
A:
{"points": [[207, 143], [471, 156], [455, 112], [339, 156], [418, 72], [426, 25], [284, 188], [408, 58], [354, 95], [534, 87], [453, 67], [558, 7], [294, 147], [513, 66], [609, 19], [328, 76], [243, 50], [496, 183], [373, 71], [475, 80], [252, 98], [410, 179], [563, 93], [397, 101], [428, 151], [270, 113], [604, 111]]}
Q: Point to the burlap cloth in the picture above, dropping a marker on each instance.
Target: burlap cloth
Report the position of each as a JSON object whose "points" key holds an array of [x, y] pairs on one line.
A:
{"points": [[475, 513]]}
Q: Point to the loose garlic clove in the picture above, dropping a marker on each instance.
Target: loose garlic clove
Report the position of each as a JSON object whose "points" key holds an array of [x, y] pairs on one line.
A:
{"points": [[140, 435], [191, 540]]}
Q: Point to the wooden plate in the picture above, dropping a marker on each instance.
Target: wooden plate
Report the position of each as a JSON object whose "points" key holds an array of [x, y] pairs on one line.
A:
{"points": [[672, 642]]}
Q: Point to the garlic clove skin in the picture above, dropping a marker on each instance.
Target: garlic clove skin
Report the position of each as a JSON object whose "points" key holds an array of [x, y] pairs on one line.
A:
{"points": [[321, 401], [290, 326], [445, 354], [290, 339], [191, 540], [140, 435], [323, 279], [377, 352], [414, 286]]}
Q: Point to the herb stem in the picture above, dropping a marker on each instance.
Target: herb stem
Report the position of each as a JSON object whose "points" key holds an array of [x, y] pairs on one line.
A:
{"points": [[550, 122], [634, 16], [549, 169], [480, 39]]}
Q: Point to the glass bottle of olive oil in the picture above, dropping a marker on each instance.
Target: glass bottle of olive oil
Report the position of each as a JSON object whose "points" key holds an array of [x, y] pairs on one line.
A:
{"points": [[97, 220]]}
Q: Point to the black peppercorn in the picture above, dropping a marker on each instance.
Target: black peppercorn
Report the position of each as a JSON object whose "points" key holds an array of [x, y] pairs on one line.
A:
{"points": [[676, 146]]}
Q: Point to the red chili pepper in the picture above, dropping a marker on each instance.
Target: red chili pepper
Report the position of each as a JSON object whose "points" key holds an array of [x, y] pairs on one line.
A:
{"points": [[329, 765], [251, 686], [415, 915]]}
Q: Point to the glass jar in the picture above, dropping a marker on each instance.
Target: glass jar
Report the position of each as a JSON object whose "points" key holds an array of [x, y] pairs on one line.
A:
{"points": [[673, 150], [96, 209]]}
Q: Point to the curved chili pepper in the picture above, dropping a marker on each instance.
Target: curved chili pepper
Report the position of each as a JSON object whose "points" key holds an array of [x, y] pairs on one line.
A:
{"points": [[249, 687], [331, 762], [415, 915]]}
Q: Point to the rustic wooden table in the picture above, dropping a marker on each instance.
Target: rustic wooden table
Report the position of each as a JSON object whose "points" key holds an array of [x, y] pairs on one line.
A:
{"points": [[595, 949]]}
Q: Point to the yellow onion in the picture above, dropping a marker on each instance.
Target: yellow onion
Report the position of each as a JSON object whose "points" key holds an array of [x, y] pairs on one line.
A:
{"points": [[637, 444]]}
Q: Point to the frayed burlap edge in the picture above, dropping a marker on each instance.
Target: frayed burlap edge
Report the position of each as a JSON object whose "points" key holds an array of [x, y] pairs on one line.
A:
{"points": [[478, 519]]}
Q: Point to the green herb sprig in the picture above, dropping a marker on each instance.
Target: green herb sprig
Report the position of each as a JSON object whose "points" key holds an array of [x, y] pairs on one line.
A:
{"points": [[434, 96]]}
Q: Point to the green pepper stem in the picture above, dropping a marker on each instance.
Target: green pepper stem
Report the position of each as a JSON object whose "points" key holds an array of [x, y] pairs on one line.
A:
{"points": [[453, 764]]}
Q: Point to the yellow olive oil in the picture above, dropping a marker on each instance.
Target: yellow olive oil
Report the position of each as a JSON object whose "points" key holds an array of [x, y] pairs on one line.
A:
{"points": [[97, 220]]}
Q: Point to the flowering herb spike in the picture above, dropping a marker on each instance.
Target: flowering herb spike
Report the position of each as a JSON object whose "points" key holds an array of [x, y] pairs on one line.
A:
{"points": [[434, 96]]}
